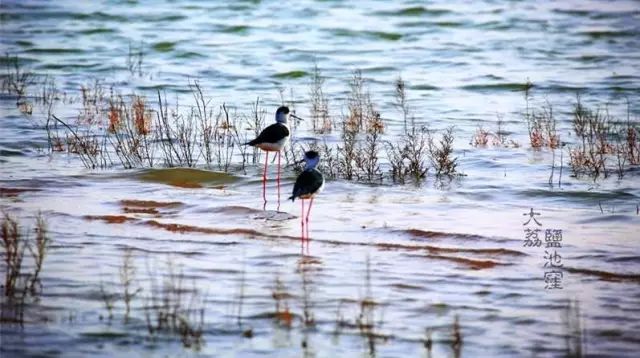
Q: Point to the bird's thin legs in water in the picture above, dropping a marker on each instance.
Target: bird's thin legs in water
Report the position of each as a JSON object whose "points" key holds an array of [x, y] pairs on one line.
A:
{"points": [[307, 219], [264, 180], [278, 181], [302, 221]]}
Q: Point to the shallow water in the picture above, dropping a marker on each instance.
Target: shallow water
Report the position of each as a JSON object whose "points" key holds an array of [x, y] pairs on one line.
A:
{"points": [[424, 254]]}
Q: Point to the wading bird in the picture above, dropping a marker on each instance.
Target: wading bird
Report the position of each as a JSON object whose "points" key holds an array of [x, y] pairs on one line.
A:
{"points": [[273, 139], [309, 183]]}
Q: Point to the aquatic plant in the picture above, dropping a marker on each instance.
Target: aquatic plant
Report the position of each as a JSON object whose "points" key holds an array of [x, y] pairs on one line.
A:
{"points": [[456, 337], [365, 320], [441, 154], [367, 161], [38, 252], [361, 111], [171, 308], [593, 130], [241, 296], [304, 268], [319, 104], [16, 81], [255, 123], [346, 153], [498, 138], [109, 299], [553, 168], [428, 340], [217, 138], [407, 156], [574, 330], [480, 137], [357, 154], [134, 60], [178, 135], [626, 146], [18, 283], [401, 102], [130, 128], [541, 123], [86, 145], [93, 97], [280, 294], [127, 279], [14, 247], [111, 126]]}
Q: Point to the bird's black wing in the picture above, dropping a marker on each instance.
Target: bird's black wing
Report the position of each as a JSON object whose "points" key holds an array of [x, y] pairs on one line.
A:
{"points": [[308, 182], [271, 134]]}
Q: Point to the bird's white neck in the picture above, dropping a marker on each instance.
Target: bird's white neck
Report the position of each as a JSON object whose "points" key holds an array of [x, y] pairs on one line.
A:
{"points": [[311, 164], [282, 118]]}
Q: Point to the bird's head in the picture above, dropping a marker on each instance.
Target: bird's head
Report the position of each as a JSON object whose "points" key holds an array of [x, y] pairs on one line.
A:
{"points": [[311, 159], [282, 114]]}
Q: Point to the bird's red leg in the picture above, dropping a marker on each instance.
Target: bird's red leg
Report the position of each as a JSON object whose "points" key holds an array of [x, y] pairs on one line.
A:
{"points": [[264, 179], [307, 218], [278, 181], [302, 221]]}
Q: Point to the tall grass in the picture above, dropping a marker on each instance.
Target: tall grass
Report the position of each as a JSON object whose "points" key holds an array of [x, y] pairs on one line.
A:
{"points": [[575, 340], [21, 271], [593, 130], [171, 308], [441, 154], [133, 131], [407, 156], [16, 81], [319, 103]]}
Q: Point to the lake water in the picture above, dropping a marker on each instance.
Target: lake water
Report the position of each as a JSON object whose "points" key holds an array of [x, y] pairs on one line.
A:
{"points": [[386, 263]]}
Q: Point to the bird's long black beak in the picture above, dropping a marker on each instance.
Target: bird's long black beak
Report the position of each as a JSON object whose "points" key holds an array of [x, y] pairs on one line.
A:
{"points": [[296, 117]]}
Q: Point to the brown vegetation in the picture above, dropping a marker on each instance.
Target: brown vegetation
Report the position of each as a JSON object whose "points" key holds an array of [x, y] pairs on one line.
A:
{"points": [[602, 139], [483, 137], [171, 308], [20, 284], [320, 120], [133, 132], [282, 314], [407, 157], [541, 123], [14, 192]]}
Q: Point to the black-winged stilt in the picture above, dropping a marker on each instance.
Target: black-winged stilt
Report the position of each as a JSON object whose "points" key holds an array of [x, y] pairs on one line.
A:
{"points": [[309, 183], [273, 139]]}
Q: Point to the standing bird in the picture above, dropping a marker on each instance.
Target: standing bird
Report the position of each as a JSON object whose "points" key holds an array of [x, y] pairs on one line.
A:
{"points": [[273, 139], [309, 183]]}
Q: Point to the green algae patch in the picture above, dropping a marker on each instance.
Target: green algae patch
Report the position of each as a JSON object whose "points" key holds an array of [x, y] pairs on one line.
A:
{"points": [[290, 74], [187, 177], [164, 46]]}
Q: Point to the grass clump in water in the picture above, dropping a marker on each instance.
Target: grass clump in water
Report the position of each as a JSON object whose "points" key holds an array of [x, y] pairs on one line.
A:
{"points": [[282, 314], [499, 138], [407, 157], [441, 154], [16, 81], [21, 281], [319, 111], [602, 139], [170, 308], [541, 123], [133, 132]]}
